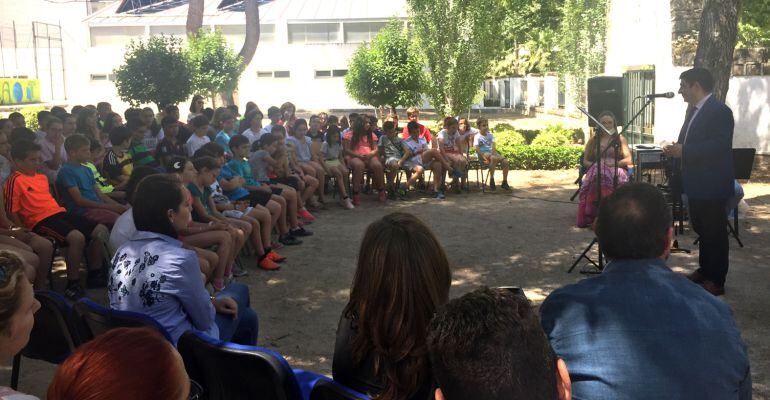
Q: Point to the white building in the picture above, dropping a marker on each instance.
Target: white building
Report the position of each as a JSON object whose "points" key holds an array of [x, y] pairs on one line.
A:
{"points": [[640, 32], [302, 56]]}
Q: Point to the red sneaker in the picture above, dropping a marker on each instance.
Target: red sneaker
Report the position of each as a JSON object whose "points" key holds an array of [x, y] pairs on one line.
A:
{"points": [[305, 214], [276, 257], [356, 200], [268, 264]]}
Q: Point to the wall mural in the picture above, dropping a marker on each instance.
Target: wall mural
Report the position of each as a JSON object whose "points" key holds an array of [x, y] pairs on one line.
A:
{"points": [[19, 91]]}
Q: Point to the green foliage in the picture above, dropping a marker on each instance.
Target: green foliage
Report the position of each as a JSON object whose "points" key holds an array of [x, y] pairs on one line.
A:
{"points": [[507, 139], [529, 134], [154, 71], [30, 116], [529, 32], [387, 72], [503, 126], [459, 39], [542, 157], [751, 36], [554, 136], [581, 43], [215, 67]]}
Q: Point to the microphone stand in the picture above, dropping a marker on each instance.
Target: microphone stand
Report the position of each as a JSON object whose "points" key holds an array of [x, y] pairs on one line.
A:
{"points": [[598, 164]]}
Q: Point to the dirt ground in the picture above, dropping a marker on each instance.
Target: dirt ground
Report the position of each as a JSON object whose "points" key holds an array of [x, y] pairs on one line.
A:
{"points": [[526, 238]]}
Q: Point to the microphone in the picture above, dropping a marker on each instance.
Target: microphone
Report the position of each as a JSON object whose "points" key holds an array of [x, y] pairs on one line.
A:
{"points": [[667, 95]]}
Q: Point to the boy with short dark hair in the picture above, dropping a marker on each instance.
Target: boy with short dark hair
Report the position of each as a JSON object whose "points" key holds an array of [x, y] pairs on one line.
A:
{"points": [[18, 119], [170, 146], [95, 165], [29, 203], [396, 155], [274, 113], [138, 150], [78, 189], [118, 163]]}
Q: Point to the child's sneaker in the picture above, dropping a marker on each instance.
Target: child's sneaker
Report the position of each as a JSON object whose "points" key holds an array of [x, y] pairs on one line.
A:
{"points": [[440, 195], [305, 214], [347, 203], [356, 200], [275, 257], [290, 240], [299, 231], [381, 196], [268, 264], [218, 284], [505, 187], [239, 271]]}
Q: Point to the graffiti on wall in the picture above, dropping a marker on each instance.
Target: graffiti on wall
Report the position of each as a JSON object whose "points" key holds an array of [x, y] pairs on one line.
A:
{"points": [[19, 91]]}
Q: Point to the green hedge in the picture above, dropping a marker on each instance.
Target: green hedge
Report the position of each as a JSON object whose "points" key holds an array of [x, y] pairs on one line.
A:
{"points": [[30, 116], [542, 157]]}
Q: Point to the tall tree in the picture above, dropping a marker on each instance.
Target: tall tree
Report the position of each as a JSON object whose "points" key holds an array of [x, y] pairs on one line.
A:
{"points": [[716, 41], [459, 39], [194, 16], [215, 66], [527, 25], [387, 72]]}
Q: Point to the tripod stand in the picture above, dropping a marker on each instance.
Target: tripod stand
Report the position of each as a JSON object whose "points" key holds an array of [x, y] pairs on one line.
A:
{"points": [[614, 143]]}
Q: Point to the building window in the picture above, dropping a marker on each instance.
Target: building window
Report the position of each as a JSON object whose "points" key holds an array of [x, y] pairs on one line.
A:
{"points": [[334, 73], [273, 74], [314, 33], [359, 32], [98, 77], [236, 34], [115, 35]]}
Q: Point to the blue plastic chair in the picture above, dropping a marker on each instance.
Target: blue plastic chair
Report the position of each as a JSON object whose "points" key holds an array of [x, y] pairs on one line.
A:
{"points": [[92, 319], [327, 389], [232, 371], [53, 337]]}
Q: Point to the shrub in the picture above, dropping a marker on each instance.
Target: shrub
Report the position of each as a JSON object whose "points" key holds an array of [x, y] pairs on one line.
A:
{"points": [[507, 139], [503, 126], [553, 136], [542, 157], [30, 116]]}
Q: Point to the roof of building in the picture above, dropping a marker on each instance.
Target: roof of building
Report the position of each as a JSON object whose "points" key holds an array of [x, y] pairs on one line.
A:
{"points": [[174, 12]]}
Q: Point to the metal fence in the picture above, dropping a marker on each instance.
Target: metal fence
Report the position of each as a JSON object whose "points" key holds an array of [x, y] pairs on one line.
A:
{"points": [[636, 84], [34, 51]]}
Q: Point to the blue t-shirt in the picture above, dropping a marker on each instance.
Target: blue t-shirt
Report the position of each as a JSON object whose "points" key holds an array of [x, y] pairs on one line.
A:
{"points": [[75, 175], [223, 140], [241, 167], [227, 173]]}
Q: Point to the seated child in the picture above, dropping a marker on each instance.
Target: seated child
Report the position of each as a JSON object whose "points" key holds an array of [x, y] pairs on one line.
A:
{"points": [[304, 157], [199, 138], [51, 141], [413, 115], [484, 142], [78, 189], [29, 203], [330, 155], [263, 165], [95, 164], [289, 173], [170, 146], [450, 147], [239, 146], [423, 156], [225, 125], [361, 153], [396, 156], [118, 163], [138, 149]]}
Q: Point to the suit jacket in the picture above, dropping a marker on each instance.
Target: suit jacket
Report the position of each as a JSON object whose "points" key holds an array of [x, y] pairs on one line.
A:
{"points": [[707, 155], [642, 331]]}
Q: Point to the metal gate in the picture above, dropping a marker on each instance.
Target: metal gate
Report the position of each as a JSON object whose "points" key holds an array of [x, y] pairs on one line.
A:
{"points": [[639, 83], [49, 60]]}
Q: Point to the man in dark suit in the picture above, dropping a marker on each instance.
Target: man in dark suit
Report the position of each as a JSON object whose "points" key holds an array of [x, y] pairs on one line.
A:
{"points": [[640, 330], [705, 149]]}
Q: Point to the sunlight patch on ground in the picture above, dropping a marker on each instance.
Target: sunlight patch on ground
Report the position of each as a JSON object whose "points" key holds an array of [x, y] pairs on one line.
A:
{"points": [[273, 281]]}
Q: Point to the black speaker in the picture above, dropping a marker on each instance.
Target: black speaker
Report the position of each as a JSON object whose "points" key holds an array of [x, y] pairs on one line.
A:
{"points": [[605, 93]]}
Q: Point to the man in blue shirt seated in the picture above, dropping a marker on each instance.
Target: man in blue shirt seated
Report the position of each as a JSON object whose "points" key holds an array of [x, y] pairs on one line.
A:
{"points": [[640, 330]]}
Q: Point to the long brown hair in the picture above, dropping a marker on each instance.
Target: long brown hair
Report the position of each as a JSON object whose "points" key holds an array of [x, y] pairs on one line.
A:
{"points": [[402, 277], [590, 148], [357, 126]]}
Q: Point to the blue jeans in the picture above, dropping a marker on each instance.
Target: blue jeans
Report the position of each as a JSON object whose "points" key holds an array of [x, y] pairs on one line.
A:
{"points": [[242, 329]]}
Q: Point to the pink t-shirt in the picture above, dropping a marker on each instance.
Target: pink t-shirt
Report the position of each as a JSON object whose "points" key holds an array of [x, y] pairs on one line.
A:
{"points": [[363, 147]]}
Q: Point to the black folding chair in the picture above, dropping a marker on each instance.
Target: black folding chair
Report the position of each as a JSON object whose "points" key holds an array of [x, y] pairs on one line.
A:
{"points": [[92, 319], [233, 371], [326, 389], [53, 337]]}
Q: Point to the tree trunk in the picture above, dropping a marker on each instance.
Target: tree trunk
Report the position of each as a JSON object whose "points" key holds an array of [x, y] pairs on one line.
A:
{"points": [[194, 17], [716, 42], [252, 31]]}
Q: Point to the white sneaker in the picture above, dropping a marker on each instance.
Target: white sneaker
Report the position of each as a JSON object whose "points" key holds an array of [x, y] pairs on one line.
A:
{"points": [[347, 203]]}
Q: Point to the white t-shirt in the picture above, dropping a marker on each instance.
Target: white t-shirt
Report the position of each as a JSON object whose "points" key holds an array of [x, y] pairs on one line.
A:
{"points": [[267, 129], [253, 137], [449, 141], [416, 146], [302, 149], [484, 142], [123, 230], [194, 143], [330, 152], [469, 133], [47, 150]]}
